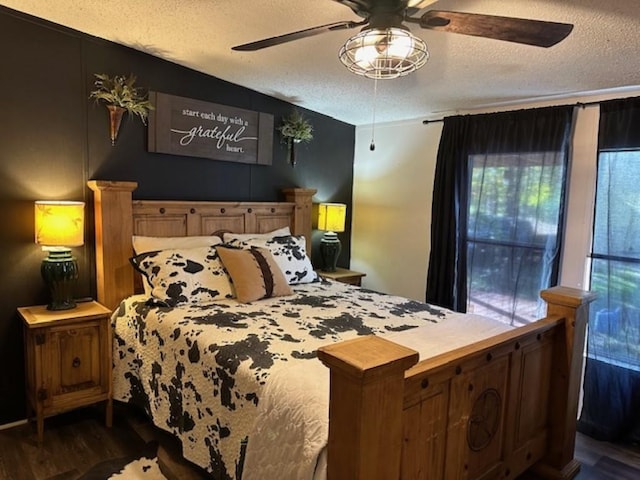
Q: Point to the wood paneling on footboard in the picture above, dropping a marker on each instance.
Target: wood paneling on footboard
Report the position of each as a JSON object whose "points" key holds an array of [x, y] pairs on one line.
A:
{"points": [[425, 429], [478, 414], [489, 410]]}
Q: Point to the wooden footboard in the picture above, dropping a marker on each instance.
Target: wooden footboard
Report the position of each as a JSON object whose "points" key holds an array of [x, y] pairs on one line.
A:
{"points": [[490, 410]]}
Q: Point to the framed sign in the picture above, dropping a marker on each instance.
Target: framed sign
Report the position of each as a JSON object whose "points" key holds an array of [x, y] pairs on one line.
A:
{"points": [[194, 128]]}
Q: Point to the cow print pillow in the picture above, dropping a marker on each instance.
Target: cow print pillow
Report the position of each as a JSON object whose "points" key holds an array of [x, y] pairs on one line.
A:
{"points": [[290, 254], [190, 275]]}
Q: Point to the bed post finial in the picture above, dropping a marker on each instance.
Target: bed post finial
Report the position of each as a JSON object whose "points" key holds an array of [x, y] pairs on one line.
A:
{"points": [[302, 197], [367, 381], [114, 229], [573, 305]]}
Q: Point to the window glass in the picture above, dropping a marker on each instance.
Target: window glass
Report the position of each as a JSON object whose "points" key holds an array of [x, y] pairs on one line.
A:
{"points": [[513, 214], [614, 335]]}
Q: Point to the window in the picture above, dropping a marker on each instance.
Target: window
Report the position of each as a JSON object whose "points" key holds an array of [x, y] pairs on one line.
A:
{"points": [[497, 201], [615, 261], [612, 370], [513, 216]]}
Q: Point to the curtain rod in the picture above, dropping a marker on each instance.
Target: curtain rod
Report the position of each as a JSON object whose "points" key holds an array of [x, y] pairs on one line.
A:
{"points": [[577, 104]]}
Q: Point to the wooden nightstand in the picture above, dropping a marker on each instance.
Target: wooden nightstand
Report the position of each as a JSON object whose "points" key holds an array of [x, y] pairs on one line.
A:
{"points": [[67, 359], [343, 275]]}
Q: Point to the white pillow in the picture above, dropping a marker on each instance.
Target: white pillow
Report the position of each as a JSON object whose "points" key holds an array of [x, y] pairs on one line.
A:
{"points": [[142, 244], [290, 254], [280, 232], [188, 275]]}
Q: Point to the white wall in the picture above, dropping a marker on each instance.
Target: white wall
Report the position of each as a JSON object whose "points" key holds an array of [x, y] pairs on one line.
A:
{"points": [[581, 198], [392, 190], [392, 199]]}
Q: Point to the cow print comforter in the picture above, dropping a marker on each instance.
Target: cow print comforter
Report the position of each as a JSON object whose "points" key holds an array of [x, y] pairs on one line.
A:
{"points": [[199, 370]]}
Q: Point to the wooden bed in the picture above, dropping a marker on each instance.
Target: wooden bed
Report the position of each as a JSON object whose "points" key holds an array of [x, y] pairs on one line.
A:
{"points": [[492, 409]]}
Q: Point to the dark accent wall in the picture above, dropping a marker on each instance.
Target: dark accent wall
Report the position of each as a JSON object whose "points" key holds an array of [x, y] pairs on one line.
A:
{"points": [[53, 139]]}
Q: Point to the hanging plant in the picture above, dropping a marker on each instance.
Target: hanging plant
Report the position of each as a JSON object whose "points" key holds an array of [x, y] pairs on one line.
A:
{"points": [[295, 129], [120, 95]]}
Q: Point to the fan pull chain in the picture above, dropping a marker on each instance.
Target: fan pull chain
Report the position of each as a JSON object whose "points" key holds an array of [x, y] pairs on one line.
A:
{"points": [[372, 146]]}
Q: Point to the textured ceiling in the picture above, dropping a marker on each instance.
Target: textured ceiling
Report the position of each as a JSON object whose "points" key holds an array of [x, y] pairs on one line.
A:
{"points": [[462, 74]]}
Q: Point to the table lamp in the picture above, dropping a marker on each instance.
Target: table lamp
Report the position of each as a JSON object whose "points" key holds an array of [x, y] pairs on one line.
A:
{"points": [[58, 226], [331, 217]]}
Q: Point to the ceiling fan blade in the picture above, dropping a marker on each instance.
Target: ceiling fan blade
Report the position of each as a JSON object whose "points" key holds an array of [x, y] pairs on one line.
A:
{"points": [[289, 37], [519, 30]]}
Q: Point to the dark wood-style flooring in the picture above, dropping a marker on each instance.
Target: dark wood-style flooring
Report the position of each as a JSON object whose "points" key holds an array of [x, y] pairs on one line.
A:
{"points": [[77, 440], [603, 461]]}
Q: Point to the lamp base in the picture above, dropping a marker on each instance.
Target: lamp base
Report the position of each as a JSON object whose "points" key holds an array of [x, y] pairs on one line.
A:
{"points": [[330, 248], [60, 273]]}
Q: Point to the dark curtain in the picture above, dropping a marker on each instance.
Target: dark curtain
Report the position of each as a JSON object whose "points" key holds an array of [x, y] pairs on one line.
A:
{"points": [[619, 125], [611, 402], [509, 143]]}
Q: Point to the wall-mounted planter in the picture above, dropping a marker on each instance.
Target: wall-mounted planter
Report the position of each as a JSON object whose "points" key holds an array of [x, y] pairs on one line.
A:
{"points": [[115, 118], [292, 142], [120, 95], [295, 129]]}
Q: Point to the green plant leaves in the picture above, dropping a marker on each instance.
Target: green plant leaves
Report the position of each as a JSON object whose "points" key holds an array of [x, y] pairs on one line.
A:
{"points": [[297, 127], [122, 92]]}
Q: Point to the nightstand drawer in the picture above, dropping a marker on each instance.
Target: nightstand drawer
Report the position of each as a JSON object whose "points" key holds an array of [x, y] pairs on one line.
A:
{"points": [[343, 275], [76, 357], [355, 280]]}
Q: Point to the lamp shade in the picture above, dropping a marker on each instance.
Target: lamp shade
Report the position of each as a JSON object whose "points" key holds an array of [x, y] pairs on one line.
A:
{"points": [[331, 217], [59, 224]]}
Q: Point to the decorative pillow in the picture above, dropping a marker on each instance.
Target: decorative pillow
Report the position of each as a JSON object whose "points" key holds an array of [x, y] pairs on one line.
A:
{"points": [[142, 244], [290, 254], [254, 273], [280, 232], [190, 275]]}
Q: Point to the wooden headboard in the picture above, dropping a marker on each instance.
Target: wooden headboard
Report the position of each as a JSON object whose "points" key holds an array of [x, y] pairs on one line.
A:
{"points": [[118, 217]]}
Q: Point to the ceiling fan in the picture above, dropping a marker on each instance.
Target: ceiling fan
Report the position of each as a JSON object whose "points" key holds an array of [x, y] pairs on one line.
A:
{"points": [[384, 14]]}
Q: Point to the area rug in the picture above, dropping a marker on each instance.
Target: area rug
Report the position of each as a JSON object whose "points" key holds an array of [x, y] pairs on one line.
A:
{"points": [[143, 466]]}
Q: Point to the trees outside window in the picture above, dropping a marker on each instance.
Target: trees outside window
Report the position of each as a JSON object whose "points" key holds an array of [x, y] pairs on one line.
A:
{"points": [[513, 217], [614, 336]]}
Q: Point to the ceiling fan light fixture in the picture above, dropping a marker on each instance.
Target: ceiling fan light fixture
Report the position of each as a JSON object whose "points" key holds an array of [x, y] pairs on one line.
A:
{"points": [[384, 53]]}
